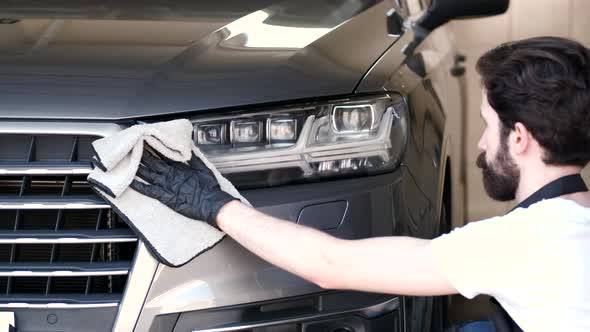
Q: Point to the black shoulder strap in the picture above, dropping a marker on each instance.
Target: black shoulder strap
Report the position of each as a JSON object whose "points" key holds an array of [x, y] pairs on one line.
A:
{"points": [[563, 186], [568, 184]]}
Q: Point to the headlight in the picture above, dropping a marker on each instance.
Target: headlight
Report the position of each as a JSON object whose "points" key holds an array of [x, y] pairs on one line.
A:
{"points": [[306, 142]]}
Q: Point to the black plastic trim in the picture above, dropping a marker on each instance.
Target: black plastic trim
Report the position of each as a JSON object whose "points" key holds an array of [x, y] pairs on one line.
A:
{"points": [[290, 310], [65, 320]]}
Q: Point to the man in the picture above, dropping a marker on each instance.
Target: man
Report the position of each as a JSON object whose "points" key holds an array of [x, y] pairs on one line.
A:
{"points": [[536, 107]]}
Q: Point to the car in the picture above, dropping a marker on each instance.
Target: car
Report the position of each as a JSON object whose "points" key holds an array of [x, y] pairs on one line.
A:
{"points": [[342, 115]]}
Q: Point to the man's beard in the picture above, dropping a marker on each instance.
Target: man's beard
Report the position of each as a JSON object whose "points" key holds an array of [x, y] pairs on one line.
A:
{"points": [[500, 177]]}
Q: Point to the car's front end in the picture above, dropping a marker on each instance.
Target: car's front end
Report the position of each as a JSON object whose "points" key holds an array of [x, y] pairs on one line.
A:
{"points": [[307, 107]]}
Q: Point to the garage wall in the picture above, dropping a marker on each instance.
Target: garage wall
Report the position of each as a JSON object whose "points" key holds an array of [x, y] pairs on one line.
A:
{"points": [[524, 19]]}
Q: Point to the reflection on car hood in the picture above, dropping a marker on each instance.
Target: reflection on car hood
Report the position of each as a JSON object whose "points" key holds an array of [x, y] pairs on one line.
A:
{"points": [[100, 62]]}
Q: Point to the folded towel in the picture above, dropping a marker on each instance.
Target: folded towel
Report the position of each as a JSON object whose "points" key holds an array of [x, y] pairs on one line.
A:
{"points": [[172, 238]]}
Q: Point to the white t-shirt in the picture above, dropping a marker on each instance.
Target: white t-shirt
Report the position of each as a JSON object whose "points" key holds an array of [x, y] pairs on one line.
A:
{"points": [[534, 261]]}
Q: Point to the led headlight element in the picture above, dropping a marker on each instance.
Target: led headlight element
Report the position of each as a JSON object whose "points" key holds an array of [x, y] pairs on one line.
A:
{"points": [[366, 135], [282, 130], [246, 131], [353, 119], [210, 134]]}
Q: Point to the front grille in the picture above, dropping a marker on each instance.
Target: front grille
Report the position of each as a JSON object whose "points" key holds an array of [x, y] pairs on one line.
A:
{"points": [[59, 241]]}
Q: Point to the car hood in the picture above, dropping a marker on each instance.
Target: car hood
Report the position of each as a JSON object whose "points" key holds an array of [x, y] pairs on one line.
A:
{"points": [[107, 63]]}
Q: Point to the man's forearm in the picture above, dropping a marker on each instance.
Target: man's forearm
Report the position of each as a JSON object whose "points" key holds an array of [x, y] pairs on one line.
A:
{"points": [[369, 264], [298, 249], [396, 265]]}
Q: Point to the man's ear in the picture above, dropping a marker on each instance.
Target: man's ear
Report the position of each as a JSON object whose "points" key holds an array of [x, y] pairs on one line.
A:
{"points": [[521, 138]]}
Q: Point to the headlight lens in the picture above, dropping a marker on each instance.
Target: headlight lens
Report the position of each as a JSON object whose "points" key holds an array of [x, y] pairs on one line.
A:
{"points": [[282, 130], [353, 119], [246, 131], [306, 142], [210, 134]]}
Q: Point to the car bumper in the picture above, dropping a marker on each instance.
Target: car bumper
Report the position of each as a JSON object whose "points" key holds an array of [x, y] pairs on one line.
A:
{"points": [[228, 282]]}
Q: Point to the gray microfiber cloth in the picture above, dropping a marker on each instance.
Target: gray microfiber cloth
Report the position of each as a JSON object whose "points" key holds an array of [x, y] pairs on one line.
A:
{"points": [[172, 238]]}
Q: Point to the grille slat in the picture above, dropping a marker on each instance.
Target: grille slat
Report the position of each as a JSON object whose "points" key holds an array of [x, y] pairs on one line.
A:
{"points": [[64, 269], [32, 149], [74, 152], [52, 202], [45, 168], [58, 300], [66, 236], [53, 246], [58, 225], [56, 235]]}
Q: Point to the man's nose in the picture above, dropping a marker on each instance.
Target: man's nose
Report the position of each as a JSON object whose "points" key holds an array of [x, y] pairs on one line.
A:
{"points": [[481, 145]]}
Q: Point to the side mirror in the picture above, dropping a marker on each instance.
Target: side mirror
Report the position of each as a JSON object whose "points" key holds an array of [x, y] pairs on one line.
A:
{"points": [[442, 11]]}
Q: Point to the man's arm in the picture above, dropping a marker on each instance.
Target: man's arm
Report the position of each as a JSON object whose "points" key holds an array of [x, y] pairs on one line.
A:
{"points": [[395, 265]]}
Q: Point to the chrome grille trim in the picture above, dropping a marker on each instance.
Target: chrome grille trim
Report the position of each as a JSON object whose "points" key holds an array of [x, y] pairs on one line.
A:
{"points": [[139, 282], [57, 305], [66, 240], [59, 128], [53, 202], [63, 273], [67, 237], [63, 301], [44, 170]]}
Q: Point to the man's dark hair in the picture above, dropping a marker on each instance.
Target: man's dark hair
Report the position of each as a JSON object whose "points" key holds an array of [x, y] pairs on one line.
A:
{"points": [[543, 83]]}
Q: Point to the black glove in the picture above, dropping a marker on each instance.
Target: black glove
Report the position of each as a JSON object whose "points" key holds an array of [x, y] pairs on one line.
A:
{"points": [[191, 190]]}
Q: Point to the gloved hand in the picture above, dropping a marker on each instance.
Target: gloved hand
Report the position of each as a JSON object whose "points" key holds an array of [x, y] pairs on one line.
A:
{"points": [[191, 190]]}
